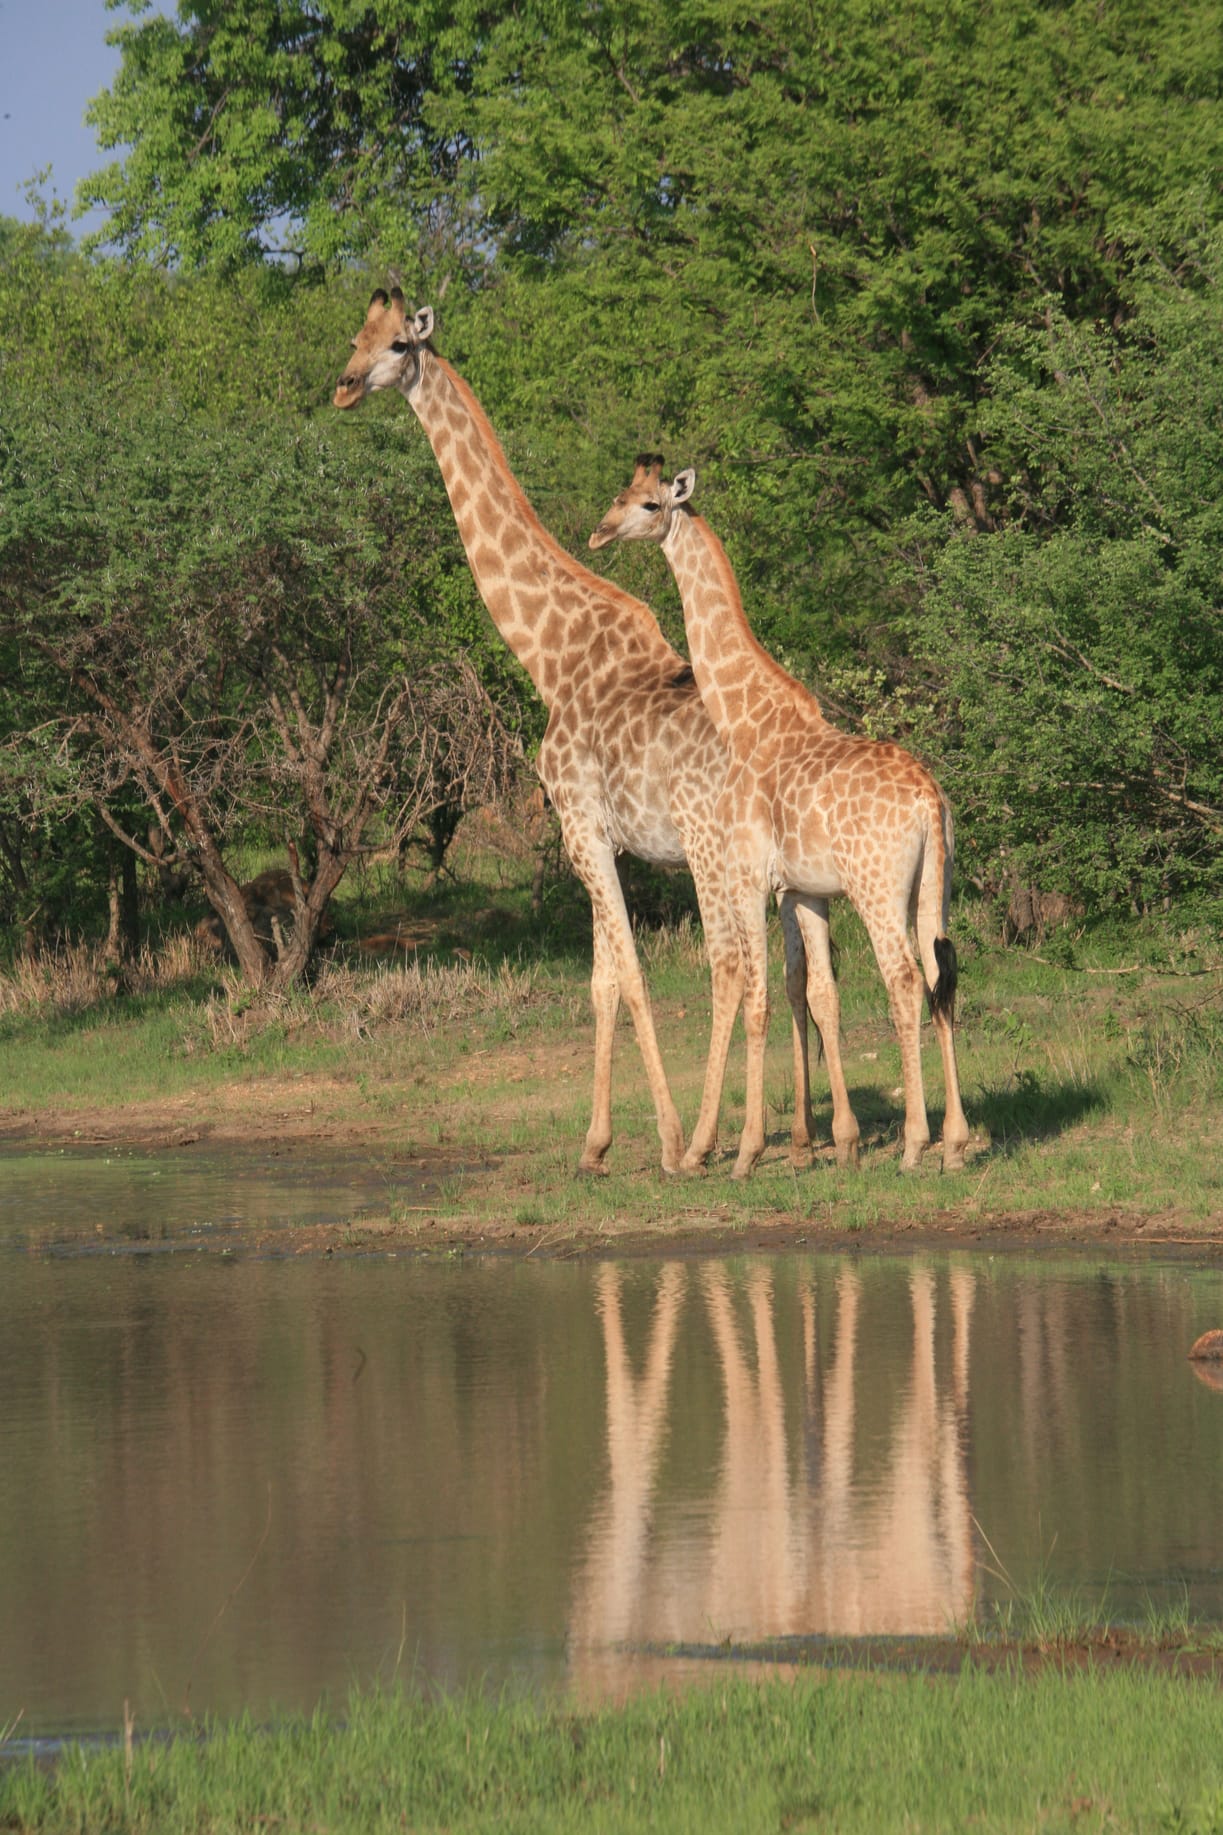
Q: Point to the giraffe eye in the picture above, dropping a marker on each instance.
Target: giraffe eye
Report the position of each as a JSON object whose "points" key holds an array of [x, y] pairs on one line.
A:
{"points": [[652, 507]]}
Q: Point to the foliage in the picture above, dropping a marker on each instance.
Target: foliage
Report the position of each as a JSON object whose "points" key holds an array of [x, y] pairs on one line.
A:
{"points": [[955, 262], [1082, 644], [780, 246], [259, 128], [260, 339], [221, 620]]}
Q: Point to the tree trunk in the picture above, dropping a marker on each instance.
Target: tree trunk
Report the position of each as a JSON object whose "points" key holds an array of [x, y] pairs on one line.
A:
{"points": [[225, 897], [123, 929], [295, 951], [10, 847]]}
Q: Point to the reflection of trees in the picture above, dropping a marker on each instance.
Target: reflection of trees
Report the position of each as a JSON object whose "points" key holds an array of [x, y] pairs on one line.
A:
{"points": [[428, 1454], [521, 1467], [803, 1532]]}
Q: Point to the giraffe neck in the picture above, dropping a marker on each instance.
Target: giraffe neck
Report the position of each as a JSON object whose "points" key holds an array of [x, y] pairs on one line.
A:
{"points": [[547, 606], [740, 684]]}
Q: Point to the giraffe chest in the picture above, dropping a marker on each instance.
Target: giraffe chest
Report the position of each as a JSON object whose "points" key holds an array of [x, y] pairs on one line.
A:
{"points": [[616, 771]]}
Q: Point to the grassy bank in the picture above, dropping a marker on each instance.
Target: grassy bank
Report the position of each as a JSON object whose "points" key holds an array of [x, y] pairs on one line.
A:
{"points": [[1133, 1751], [1092, 1070]]}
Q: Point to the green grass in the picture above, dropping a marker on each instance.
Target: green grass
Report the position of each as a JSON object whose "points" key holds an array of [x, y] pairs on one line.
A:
{"points": [[1091, 1066], [849, 1752]]}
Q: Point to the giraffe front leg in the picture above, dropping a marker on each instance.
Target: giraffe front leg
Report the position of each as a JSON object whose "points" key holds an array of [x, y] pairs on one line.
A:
{"points": [[617, 975], [726, 987], [605, 1000]]}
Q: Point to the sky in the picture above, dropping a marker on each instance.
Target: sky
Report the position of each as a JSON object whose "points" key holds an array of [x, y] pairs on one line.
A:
{"points": [[53, 60]]}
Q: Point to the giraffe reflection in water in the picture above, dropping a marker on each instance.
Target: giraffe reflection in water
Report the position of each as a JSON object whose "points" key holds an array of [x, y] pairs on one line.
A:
{"points": [[830, 1509]]}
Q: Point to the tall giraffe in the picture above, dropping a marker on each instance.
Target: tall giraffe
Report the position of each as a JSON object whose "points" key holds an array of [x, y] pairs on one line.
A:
{"points": [[808, 809], [630, 759]]}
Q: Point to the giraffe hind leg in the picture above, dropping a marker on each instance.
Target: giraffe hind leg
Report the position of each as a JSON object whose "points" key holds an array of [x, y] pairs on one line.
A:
{"points": [[938, 949], [802, 1129], [823, 998], [726, 988]]}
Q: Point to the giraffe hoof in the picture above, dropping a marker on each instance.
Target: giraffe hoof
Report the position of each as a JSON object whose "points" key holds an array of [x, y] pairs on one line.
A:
{"points": [[693, 1163], [847, 1153], [590, 1169]]}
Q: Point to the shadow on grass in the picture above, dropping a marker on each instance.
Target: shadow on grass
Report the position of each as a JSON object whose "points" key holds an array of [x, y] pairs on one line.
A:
{"points": [[1029, 1107]]}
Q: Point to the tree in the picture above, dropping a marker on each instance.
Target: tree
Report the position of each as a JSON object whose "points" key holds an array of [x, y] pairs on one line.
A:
{"points": [[235, 636], [258, 127], [781, 244], [1082, 645]]}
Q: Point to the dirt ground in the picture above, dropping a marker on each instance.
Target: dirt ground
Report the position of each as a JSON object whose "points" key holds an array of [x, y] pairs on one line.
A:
{"points": [[304, 1117]]}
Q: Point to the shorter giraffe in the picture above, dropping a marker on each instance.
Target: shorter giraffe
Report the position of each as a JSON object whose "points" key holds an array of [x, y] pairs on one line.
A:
{"points": [[809, 810]]}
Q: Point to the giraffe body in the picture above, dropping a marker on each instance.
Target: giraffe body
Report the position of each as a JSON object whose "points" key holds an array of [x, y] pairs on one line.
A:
{"points": [[810, 813], [630, 758]]}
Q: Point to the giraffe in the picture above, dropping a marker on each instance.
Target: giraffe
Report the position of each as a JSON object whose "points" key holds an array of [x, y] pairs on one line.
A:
{"points": [[808, 809], [630, 759]]}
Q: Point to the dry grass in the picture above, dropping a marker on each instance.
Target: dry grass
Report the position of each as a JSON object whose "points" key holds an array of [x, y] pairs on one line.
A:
{"points": [[348, 1002], [75, 976]]}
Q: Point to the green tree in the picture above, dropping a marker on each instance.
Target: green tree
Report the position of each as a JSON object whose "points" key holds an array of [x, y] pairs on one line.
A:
{"points": [[781, 242], [261, 127], [236, 623], [1082, 646]]}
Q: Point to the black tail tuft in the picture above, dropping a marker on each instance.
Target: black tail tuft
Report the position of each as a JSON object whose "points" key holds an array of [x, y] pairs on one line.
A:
{"points": [[942, 994]]}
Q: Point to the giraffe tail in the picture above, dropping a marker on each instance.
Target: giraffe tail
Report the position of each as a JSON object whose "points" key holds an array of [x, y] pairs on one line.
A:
{"points": [[942, 994]]}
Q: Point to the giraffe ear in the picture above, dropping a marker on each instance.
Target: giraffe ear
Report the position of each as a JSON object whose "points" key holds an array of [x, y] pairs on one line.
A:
{"points": [[683, 486], [423, 323]]}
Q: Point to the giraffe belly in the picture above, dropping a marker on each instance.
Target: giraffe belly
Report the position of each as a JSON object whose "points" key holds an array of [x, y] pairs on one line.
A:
{"points": [[649, 833], [816, 874]]}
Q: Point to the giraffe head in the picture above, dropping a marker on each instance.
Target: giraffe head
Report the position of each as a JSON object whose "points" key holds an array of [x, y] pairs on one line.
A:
{"points": [[386, 350], [643, 512]]}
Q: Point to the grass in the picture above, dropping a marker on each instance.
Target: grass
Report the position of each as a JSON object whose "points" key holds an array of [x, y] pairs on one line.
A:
{"points": [[1092, 1066], [993, 1752], [1092, 1069]]}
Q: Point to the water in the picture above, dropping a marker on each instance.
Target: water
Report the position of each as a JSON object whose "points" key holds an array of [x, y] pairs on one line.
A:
{"points": [[79, 1195], [249, 1483]]}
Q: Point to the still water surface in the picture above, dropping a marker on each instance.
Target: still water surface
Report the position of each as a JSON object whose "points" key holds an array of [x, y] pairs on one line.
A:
{"points": [[248, 1483], [121, 1196]]}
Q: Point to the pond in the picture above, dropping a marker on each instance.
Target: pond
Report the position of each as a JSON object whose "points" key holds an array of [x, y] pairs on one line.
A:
{"points": [[124, 1196], [241, 1482]]}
